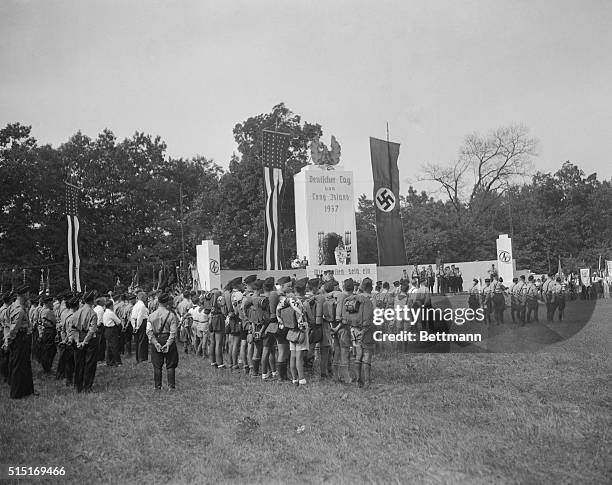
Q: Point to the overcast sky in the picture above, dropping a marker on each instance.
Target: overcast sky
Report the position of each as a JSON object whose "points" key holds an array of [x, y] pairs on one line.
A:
{"points": [[436, 71]]}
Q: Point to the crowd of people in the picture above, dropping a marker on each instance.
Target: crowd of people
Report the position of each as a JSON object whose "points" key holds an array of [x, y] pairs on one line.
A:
{"points": [[274, 330]]}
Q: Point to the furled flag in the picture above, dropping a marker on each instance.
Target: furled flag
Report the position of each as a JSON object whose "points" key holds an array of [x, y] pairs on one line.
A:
{"points": [[41, 287], [74, 260], [275, 152], [389, 231]]}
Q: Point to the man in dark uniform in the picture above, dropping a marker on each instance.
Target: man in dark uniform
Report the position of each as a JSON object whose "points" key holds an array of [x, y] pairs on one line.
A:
{"points": [[47, 336], [268, 360], [323, 348], [531, 300], [547, 295], [498, 299], [84, 327], [341, 334], [233, 298], [246, 347], [285, 290], [5, 301], [162, 326], [487, 301], [128, 329], [362, 335], [558, 302], [19, 344], [65, 363], [255, 335]]}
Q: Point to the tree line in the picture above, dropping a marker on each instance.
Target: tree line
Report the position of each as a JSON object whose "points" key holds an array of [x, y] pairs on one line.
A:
{"points": [[130, 204]]}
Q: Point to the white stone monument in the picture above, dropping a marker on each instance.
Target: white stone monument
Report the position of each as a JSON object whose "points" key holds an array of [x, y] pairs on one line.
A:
{"points": [[505, 260], [325, 204], [208, 265]]}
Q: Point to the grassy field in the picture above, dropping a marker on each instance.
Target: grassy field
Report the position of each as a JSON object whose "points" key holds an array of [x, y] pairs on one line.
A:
{"points": [[428, 418]]}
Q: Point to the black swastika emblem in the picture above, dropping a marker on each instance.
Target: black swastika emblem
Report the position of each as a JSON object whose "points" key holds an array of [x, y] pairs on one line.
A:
{"points": [[214, 266], [504, 256], [385, 200]]}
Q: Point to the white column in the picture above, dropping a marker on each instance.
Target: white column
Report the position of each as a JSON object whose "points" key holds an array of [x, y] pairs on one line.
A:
{"points": [[208, 264], [505, 266]]}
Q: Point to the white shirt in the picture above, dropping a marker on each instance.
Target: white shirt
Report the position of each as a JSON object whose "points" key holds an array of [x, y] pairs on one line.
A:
{"points": [[99, 311], [109, 319], [139, 313]]}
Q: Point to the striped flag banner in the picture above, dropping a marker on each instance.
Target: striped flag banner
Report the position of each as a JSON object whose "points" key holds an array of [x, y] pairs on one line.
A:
{"points": [[74, 261], [275, 152]]}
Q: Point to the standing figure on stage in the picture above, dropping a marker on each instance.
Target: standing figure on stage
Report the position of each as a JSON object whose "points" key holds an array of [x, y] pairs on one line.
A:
{"points": [[18, 342], [161, 327]]}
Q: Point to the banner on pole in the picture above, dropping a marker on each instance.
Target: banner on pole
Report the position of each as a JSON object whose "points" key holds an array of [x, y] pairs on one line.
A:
{"points": [[389, 230], [585, 276]]}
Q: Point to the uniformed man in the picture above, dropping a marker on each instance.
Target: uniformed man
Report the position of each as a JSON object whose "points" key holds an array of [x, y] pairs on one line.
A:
{"points": [[65, 363], [83, 337], [547, 295], [497, 299], [128, 329], [486, 300], [284, 287], [515, 302], [531, 300], [246, 344], [139, 323], [162, 326], [233, 293], [323, 348], [558, 301], [18, 342], [270, 329], [474, 295], [363, 335], [47, 335], [5, 301]]}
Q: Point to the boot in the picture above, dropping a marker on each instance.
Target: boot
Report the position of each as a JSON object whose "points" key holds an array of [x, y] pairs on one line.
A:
{"points": [[282, 371], [255, 369], [157, 378], [343, 373], [323, 363], [336, 372], [358, 367], [171, 378], [367, 368]]}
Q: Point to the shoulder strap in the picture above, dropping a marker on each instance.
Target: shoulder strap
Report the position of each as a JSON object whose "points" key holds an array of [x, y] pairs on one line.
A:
{"points": [[161, 330]]}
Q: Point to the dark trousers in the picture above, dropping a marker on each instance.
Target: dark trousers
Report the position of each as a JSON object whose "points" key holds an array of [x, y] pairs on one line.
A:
{"points": [[127, 334], [101, 344], [142, 343], [170, 359], [4, 362], [111, 335], [85, 363], [20, 366], [48, 348], [65, 363]]}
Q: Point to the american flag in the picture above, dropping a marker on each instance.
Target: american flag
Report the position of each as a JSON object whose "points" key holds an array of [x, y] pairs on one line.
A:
{"points": [[74, 260], [275, 151]]}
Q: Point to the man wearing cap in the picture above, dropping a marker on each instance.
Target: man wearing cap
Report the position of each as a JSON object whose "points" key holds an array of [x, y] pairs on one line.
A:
{"points": [[111, 327], [18, 341], [139, 323], [284, 287], [363, 337], [547, 294], [255, 334], [341, 334], [47, 335], [498, 299], [5, 302], [323, 348], [127, 328], [233, 297], [268, 360], [474, 295], [246, 347], [531, 300], [83, 332], [515, 303], [162, 326], [486, 300], [65, 362]]}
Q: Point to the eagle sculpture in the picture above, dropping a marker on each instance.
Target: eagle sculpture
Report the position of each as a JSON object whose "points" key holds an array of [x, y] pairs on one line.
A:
{"points": [[324, 157]]}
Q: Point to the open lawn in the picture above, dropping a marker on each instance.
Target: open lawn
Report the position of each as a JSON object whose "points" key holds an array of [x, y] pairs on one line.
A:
{"points": [[429, 418]]}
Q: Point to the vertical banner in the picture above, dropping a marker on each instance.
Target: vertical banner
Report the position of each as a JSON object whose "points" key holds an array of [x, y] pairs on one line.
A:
{"points": [[275, 151], [74, 261], [585, 277], [609, 267], [389, 230]]}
